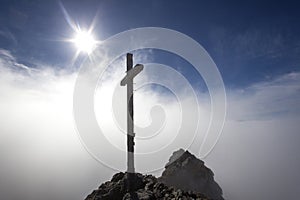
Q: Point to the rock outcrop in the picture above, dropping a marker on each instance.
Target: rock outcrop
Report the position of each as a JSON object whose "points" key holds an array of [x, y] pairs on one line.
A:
{"points": [[147, 187], [185, 177], [184, 171]]}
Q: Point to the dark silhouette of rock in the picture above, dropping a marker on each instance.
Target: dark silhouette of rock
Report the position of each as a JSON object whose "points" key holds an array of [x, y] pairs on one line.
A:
{"points": [[184, 171], [146, 188], [185, 177]]}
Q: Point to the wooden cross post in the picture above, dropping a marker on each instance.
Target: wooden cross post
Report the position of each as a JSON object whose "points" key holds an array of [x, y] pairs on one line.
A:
{"points": [[128, 80]]}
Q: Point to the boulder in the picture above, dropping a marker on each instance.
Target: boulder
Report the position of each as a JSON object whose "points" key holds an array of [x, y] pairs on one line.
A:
{"points": [[184, 171]]}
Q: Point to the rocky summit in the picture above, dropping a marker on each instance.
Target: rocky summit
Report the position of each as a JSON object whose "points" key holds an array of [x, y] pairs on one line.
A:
{"points": [[147, 187], [184, 177], [184, 171]]}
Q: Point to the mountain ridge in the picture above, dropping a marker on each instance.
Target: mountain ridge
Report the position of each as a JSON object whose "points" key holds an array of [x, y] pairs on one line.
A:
{"points": [[184, 177]]}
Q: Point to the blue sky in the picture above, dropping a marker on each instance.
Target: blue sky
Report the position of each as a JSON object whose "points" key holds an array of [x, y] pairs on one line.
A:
{"points": [[249, 41], [255, 45]]}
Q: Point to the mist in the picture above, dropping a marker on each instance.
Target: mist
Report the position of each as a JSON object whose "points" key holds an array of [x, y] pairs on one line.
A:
{"points": [[43, 155]]}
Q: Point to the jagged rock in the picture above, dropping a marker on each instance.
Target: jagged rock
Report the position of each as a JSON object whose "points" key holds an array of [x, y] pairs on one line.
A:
{"points": [[185, 177], [184, 171], [146, 188]]}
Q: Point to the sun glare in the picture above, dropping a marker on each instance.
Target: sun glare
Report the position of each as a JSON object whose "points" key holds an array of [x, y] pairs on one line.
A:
{"points": [[84, 42]]}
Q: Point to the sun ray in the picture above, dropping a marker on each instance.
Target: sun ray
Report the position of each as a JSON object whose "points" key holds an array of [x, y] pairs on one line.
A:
{"points": [[69, 20]]}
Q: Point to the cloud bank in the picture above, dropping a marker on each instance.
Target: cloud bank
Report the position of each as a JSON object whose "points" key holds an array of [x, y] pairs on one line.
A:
{"points": [[42, 156]]}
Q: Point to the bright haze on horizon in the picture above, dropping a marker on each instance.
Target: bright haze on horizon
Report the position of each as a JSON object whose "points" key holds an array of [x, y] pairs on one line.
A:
{"points": [[254, 44]]}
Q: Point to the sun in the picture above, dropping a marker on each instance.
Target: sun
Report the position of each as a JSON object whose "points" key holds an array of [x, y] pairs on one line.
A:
{"points": [[84, 41]]}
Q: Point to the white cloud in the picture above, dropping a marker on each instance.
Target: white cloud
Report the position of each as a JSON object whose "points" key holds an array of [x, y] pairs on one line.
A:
{"points": [[40, 148], [278, 98], [256, 157]]}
